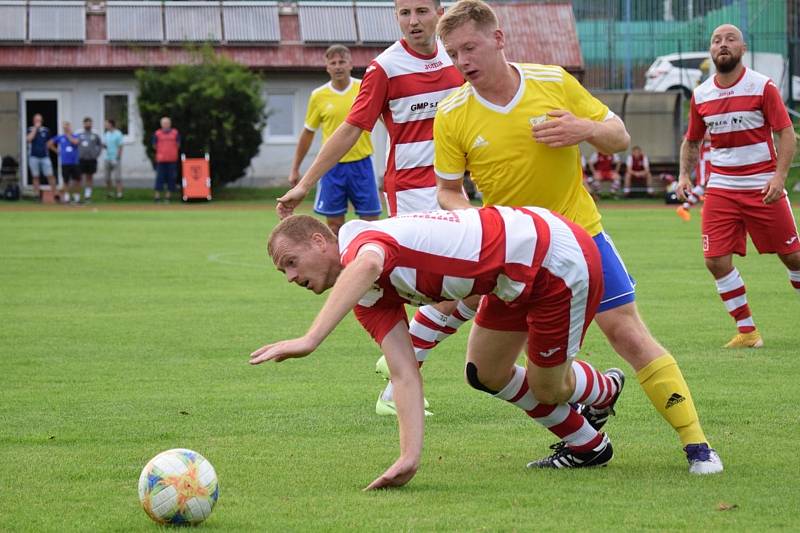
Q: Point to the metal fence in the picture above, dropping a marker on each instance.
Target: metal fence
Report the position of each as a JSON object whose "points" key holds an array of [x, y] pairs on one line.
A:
{"points": [[621, 38]]}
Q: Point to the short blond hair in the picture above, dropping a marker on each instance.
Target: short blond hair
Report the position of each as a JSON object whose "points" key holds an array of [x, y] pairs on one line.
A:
{"points": [[337, 50], [299, 229], [464, 11]]}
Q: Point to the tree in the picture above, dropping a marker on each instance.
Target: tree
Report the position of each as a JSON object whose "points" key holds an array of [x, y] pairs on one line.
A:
{"points": [[215, 103]]}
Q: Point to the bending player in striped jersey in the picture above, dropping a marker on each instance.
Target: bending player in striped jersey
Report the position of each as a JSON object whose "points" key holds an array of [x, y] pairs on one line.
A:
{"points": [[402, 86], [541, 278], [701, 173], [741, 109]]}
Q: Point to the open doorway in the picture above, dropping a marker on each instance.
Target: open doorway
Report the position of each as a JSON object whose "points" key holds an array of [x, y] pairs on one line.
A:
{"points": [[49, 106]]}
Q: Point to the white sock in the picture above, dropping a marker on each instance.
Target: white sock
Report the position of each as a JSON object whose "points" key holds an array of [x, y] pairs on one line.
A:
{"points": [[461, 314], [76, 197], [387, 392], [87, 192], [794, 278]]}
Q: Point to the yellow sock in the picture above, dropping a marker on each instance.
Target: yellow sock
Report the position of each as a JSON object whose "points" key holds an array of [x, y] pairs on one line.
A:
{"points": [[663, 383]]}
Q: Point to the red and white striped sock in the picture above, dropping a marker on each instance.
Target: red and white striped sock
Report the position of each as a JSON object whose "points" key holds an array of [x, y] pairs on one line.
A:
{"points": [[562, 420], [794, 278], [592, 387], [731, 290], [426, 326], [461, 314]]}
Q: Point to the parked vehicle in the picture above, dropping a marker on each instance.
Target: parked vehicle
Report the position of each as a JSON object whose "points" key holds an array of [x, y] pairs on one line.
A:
{"points": [[686, 70]]}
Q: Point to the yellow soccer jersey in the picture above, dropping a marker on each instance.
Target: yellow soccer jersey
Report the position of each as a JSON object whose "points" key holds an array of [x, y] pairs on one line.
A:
{"points": [[329, 107], [495, 144]]}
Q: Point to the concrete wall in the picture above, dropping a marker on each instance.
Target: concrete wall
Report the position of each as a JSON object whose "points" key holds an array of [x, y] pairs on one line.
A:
{"points": [[81, 94]]}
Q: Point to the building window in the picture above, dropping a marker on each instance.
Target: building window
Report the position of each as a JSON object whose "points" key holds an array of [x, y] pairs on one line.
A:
{"points": [[280, 116], [116, 106]]}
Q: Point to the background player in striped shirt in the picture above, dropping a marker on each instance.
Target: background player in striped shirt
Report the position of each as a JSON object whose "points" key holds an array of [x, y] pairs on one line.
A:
{"points": [[516, 128], [402, 87], [741, 109], [352, 177], [542, 280]]}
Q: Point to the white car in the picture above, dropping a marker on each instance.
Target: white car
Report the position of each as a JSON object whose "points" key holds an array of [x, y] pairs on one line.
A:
{"points": [[676, 72], [682, 72]]}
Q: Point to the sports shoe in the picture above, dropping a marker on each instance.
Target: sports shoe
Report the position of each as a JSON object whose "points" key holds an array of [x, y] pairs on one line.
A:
{"points": [[702, 459], [684, 213], [565, 457], [597, 418], [746, 340], [389, 408], [382, 368]]}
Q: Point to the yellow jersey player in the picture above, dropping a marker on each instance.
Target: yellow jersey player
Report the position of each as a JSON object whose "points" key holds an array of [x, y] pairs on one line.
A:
{"points": [[515, 128], [352, 177]]}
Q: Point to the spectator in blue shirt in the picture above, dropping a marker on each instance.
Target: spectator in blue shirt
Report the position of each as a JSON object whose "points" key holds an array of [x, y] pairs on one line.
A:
{"points": [[66, 145], [38, 157], [112, 140]]}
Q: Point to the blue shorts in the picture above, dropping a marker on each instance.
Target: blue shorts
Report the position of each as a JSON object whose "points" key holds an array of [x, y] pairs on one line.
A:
{"points": [[40, 166], [166, 174], [618, 285], [355, 181]]}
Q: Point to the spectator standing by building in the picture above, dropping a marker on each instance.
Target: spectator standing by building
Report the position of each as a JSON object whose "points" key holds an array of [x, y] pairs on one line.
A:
{"points": [[637, 167], [66, 145], [167, 144], [38, 157], [88, 151], [352, 177], [742, 110], [112, 141]]}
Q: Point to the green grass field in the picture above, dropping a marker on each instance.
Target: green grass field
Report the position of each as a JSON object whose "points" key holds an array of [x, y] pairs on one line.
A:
{"points": [[126, 331]]}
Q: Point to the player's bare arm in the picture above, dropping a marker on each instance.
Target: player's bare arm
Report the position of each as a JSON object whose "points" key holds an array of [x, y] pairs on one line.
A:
{"points": [[408, 397], [565, 129], [334, 149], [303, 144], [354, 281], [690, 155], [785, 148], [450, 194]]}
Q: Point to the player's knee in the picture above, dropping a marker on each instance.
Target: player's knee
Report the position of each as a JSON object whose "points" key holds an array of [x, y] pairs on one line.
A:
{"points": [[792, 261], [471, 373]]}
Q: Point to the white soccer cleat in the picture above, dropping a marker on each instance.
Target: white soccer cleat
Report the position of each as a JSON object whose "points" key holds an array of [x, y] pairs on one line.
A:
{"points": [[702, 459]]}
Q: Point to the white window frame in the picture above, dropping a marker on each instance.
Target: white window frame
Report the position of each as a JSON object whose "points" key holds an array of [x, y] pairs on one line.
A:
{"points": [[283, 139], [131, 135]]}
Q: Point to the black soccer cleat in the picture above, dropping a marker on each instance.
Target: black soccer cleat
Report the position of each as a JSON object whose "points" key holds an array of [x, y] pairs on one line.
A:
{"points": [[565, 457]]}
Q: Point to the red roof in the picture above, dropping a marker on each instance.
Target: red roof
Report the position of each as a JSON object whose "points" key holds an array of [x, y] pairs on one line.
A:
{"points": [[536, 33]]}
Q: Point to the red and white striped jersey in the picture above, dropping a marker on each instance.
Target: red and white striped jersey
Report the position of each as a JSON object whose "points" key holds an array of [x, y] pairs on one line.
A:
{"points": [[449, 255], [604, 162], [740, 119], [637, 163], [703, 169], [404, 88]]}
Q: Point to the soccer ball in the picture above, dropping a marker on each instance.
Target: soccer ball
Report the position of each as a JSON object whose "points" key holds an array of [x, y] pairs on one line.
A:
{"points": [[178, 487]]}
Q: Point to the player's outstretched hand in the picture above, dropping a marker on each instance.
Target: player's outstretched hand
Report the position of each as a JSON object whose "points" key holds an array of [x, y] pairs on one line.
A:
{"points": [[684, 188], [396, 475], [282, 350], [561, 129], [289, 201], [773, 190]]}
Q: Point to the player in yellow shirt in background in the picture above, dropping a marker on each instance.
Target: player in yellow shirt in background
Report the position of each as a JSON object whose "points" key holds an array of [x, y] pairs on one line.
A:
{"points": [[516, 129], [353, 177]]}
